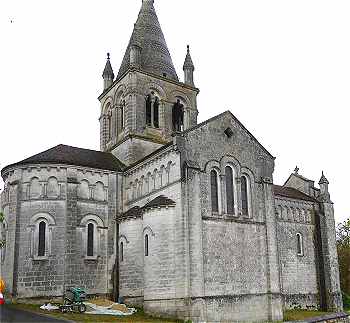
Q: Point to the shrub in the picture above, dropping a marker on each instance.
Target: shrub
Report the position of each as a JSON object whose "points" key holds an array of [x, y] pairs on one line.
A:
{"points": [[346, 300]]}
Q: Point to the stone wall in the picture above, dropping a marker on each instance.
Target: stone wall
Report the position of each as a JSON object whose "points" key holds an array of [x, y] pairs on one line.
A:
{"points": [[299, 272], [131, 278], [239, 268], [161, 275], [65, 198], [234, 258]]}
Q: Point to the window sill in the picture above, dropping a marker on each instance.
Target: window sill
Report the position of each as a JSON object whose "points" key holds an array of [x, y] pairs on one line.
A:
{"points": [[44, 258], [91, 258], [153, 128], [230, 215]]}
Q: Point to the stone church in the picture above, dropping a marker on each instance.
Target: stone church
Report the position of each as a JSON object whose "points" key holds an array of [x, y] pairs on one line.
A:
{"points": [[180, 217]]}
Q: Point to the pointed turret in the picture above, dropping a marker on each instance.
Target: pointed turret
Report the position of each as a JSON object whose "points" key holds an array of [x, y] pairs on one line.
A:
{"points": [[188, 68], [323, 180], [324, 194], [147, 49], [108, 75]]}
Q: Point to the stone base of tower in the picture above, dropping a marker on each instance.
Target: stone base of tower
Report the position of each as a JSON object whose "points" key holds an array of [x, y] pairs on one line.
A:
{"points": [[233, 308], [135, 148]]}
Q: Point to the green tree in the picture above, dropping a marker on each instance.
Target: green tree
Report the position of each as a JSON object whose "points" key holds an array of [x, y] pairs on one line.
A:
{"points": [[343, 247]]}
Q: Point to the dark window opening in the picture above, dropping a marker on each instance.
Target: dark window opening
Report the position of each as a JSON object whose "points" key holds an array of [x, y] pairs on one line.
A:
{"points": [[299, 244], [156, 113], [178, 116], [109, 126], [42, 239], [148, 110], [229, 191], [90, 240], [214, 191], [244, 193], [228, 132], [122, 111], [121, 251], [146, 245]]}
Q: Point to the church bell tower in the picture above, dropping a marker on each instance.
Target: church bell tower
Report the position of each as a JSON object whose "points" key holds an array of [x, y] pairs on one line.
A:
{"points": [[146, 103]]}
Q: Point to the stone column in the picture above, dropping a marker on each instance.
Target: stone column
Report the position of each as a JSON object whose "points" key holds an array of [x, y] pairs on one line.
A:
{"points": [[10, 267], [273, 278], [330, 257], [71, 248]]}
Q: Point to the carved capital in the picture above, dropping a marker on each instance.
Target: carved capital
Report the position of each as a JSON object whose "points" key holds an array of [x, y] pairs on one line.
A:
{"points": [[266, 180]]}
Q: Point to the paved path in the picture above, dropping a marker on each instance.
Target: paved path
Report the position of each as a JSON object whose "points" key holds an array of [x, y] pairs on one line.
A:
{"points": [[10, 315]]}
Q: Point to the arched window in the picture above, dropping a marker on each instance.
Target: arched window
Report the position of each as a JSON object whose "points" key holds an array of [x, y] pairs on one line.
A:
{"points": [[146, 245], [84, 189], [178, 116], [300, 245], [52, 190], [35, 188], [41, 227], [244, 195], [156, 113], [90, 240], [121, 251], [90, 236], [99, 193], [230, 198], [152, 110], [149, 110], [122, 115], [42, 239], [214, 191], [109, 122]]}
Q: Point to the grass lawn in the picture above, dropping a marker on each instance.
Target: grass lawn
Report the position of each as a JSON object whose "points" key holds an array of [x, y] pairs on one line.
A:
{"points": [[139, 317], [293, 315]]}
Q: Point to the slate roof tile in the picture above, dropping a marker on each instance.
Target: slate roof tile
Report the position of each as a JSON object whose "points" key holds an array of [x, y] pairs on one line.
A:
{"points": [[136, 211], [291, 193], [148, 34], [68, 155]]}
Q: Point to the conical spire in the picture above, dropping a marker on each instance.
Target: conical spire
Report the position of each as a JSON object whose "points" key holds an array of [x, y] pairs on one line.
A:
{"points": [[108, 71], [148, 36], [323, 180], [188, 60], [108, 75]]}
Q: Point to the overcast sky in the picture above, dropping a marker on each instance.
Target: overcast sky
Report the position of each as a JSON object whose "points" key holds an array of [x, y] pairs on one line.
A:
{"points": [[281, 67]]}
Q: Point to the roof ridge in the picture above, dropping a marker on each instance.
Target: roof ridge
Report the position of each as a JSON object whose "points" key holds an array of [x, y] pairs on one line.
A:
{"points": [[97, 151]]}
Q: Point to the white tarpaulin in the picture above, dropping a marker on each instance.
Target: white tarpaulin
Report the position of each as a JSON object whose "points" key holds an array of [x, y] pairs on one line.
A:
{"points": [[49, 307], [106, 310]]}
